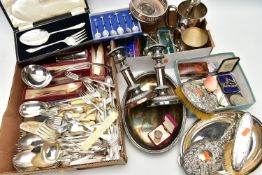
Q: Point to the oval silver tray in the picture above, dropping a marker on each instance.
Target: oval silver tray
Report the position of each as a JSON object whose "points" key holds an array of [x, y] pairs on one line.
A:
{"points": [[139, 121]]}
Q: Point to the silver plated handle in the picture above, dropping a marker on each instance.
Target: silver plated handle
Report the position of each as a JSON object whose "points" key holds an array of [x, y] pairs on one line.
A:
{"points": [[78, 26], [32, 50]]}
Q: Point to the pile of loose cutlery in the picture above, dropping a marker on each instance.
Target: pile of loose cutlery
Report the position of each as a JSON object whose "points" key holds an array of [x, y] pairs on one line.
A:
{"points": [[71, 131]]}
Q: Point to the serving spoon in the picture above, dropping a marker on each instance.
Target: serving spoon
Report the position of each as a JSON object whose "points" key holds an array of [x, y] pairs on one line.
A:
{"points": [[37, 76], [35, 108], [38, 37], [31, 109]]}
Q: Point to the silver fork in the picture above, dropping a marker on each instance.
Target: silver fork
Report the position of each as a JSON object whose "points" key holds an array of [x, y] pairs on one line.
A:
{"points": [[72, 40], [88, 99], [113, 143], [72, 76], [46, 133], [93, 92], [54, 122]]}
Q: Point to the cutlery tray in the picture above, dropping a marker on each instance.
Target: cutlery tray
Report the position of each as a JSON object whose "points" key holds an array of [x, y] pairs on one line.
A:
{"points": [[62, 85]]}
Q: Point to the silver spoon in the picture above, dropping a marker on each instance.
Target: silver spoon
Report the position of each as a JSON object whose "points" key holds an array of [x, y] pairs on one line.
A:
{"points": [[29, 142], [112, 32], [48, 156], [50, 152], [135, 27], [109, 80], [38, 37], [120, 29], [128, 30], [35, 108], [97, 35], [37, 76], [23, 159], [105, 32]]}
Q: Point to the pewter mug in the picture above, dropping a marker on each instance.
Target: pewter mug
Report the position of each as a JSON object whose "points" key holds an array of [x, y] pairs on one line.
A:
{"points": [[194, 18]]}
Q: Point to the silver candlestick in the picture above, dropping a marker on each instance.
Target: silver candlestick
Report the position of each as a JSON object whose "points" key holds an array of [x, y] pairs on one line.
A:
{"points": [[138, 96], [163, 97]]}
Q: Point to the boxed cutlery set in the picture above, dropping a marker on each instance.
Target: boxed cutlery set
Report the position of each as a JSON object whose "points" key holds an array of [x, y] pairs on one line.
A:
{"points": [[113, 25], [88, 78], [47, 27]]}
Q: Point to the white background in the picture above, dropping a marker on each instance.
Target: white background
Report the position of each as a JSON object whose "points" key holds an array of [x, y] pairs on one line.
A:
{"points": [[236, 26]]}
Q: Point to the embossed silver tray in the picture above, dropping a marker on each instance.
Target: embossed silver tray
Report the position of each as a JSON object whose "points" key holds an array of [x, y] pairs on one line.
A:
{"points": [[214, 129]]}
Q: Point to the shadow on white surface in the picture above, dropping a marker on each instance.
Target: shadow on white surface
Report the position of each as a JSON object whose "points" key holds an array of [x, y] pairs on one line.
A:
{"points": [[235, 25]]}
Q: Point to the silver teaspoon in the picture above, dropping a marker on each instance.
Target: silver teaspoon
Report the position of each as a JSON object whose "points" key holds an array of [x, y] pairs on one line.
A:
{"points": [[97, 35], [135, 27], [38, 37], [112, 32], [128, 30], [120, 29], [105, 32]]}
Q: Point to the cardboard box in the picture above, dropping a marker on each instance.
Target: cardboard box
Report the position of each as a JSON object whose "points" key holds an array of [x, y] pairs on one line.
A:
{"points": [[10, 131], [203, 51], [214, 61]]}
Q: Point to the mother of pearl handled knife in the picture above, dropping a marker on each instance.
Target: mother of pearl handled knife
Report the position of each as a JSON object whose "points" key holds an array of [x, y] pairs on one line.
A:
{"points": [[243, 138]]}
